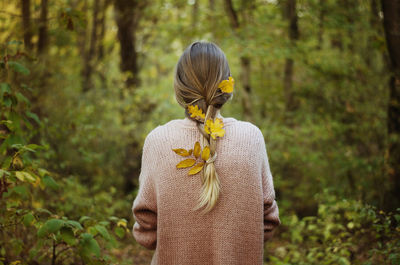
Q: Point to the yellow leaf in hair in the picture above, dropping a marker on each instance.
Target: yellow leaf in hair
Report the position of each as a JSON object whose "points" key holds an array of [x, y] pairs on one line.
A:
{"points": [[226, 86], [196, 169], [196, 112], [205, 155], [215, 128], [182, 152], [190, 151], [186, 163], [196, 149]]}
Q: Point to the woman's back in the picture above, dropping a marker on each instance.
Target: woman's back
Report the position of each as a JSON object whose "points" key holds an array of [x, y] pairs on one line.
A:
{"points": [[244, 216]]}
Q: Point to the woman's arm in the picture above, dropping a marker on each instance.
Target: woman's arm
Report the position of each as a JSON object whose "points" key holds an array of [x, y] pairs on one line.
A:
{"points": [[271, 210], [144, 207]]}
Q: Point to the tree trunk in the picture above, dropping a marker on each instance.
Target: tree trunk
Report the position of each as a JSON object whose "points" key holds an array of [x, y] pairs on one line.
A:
{"points": [[211, 5], [351, 13], [127, 18], [375, 25], [26, 22], [44, 74], [195, 14], [245, 78], [89, 56], [42, 42], [291, 16], [245, 61], [82, 31], [321, 23], [391, 24], [128, 14], [232, 14], [100, 47], [102, 25], [288, 85]]}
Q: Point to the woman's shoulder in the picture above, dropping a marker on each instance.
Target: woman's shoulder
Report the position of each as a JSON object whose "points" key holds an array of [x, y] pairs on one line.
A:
{"points": [[251, 127], [246, 128], [227, 121], [241, 128], [161, 131]]}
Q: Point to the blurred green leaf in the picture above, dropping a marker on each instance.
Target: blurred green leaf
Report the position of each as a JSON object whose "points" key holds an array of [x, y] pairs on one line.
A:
{"points": [[33, 116], [50, 182], [89, 245], [68, 235], [17, 67], [50, 226], [120, 232], [28, 218], [74, 224], [103, 231]]}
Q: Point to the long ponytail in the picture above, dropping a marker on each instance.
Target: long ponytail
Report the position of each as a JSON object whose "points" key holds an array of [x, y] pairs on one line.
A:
{"points": [[200, 69], [210, 179]]}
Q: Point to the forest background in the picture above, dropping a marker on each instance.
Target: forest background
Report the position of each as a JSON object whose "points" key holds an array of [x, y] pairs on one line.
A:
{"points": [[83, 83]]}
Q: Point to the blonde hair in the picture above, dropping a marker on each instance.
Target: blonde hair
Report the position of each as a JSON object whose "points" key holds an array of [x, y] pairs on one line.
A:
{"points": [[200, 69]]}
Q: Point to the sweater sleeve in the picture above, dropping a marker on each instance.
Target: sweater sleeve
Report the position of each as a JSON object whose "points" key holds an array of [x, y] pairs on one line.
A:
{"points": [[144, 207], [271, 210]]}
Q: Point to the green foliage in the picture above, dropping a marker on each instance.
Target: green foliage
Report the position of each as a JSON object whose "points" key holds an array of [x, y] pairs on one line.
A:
{"points": [[33, 229], [70, 158], [343, 232]]}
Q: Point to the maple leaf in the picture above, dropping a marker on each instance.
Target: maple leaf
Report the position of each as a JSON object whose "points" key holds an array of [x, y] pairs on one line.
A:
{"points": [[226, 86], [214, 128], [196, 112]]}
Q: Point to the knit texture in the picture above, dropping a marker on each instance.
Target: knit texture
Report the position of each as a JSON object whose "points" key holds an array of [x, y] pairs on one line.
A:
{"points": [[246, 213]]}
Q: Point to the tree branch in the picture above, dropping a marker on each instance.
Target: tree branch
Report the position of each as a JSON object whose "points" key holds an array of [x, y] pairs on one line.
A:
{"points": [[232, 14]]}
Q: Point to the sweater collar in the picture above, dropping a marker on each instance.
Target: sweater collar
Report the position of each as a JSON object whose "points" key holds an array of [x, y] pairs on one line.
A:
{"points": [[192, 123]]}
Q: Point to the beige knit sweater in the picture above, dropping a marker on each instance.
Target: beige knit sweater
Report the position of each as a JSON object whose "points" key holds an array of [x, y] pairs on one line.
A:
{"points": [[246, 212]]}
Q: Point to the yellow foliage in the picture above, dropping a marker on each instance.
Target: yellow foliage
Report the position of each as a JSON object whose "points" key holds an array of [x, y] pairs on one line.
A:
{"points": [[206, 153], [186, 163], [196, 112], [121, 223], [196, 149], [196, 169], [226, 86], [215, 128], [182, 152], [17, 162], [189, 162]]}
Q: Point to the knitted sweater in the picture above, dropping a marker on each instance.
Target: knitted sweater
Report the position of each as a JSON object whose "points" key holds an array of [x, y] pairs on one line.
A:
{"points": [[243, 218]]}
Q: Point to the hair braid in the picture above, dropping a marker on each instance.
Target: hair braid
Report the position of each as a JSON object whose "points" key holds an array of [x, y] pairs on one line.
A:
{"points": [[199, 71], [210, 179]]}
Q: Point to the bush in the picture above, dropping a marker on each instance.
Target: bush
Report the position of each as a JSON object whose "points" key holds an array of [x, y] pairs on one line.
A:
{"points": [[343, 232], [42, 214]]}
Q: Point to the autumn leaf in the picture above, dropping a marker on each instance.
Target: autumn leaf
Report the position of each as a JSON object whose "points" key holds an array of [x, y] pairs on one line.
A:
{"points": [[196, 149], [215, 128], [196, 112], [182, 152], [205, 155], [226, 86], [186, 163], [196, 169], [17, 162]]}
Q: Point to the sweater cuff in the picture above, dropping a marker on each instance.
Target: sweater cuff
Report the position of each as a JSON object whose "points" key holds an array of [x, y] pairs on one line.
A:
{"points": [[271, 219]]}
